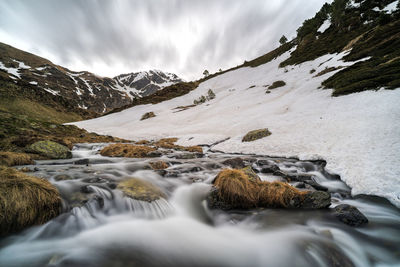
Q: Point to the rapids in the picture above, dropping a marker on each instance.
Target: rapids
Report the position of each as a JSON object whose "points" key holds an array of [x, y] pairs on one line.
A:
{"points": [[101, 227]]}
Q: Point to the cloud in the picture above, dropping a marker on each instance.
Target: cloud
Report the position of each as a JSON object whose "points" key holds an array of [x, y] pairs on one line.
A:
{"points": [[180, 36]]}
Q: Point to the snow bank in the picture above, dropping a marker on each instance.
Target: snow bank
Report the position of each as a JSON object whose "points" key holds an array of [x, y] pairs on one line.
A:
{"points": [[327, 23], [358, 134]]}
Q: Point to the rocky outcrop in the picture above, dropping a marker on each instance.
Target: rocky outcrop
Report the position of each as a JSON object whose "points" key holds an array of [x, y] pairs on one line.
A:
{"points": [[255, 135], [25, 201]]}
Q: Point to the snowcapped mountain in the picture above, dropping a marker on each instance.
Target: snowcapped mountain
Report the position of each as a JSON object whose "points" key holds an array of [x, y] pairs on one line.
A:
{"points": [[83, 90], [349, 51], [145, 83]]}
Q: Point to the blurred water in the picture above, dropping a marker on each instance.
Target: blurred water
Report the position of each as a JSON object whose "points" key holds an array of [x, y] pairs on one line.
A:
{"points": [[101, 227]]}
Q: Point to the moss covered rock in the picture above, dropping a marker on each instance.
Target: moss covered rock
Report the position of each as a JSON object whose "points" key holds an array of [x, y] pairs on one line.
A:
{"points": [[256, 134], [148, 115], [50, 149], [140, 190], [25, 201]]}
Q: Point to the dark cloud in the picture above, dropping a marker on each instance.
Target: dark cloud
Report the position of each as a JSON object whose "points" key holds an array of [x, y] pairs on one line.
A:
{"points": [[181, 36]]}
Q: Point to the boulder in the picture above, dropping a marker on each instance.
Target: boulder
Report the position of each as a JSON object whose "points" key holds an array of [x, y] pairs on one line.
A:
{"points": [[316, 200], [140, 190], [26, 201], [255, 135], [235, 163], [50, 149], [148, 115], [350, 215]]}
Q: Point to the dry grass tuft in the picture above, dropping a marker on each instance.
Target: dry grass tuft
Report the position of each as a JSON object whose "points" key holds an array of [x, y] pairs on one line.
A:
{"points": [[13, 158], [169, 143], [127, 150], [25, 201], [159, 165], [237, 189]]}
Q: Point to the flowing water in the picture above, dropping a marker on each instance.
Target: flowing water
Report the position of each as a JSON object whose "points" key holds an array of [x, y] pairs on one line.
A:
{"points": [[101, 227]]}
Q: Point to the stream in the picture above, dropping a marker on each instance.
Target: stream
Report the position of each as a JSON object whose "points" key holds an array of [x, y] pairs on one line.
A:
{"points": [[102, 227]]}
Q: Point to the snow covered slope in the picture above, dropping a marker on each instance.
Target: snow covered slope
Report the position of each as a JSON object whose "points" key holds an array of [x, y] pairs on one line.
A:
{"points": [[358, 134]]}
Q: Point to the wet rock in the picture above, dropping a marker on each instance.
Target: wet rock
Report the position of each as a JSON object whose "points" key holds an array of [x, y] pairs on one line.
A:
{"points": [[26, 201], [350, 215], [154, 154], [82, 162], [172, 174], [94, 180], [148, 115], [63, 177], [50, 149], [251, 174], [159, 165], [293, 177], [188, 155], [140, 190], [235, 163], [316, 185], [270, 169], [316, 200], [300, 185], [256, 134]]}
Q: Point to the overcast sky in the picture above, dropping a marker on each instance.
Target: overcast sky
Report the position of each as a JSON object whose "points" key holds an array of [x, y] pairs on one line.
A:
{"points": [[180, 36]]}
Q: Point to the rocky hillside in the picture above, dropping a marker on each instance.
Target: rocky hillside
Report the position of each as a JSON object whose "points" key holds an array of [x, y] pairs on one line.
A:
{"points": [[145, 83], [82, 90]]}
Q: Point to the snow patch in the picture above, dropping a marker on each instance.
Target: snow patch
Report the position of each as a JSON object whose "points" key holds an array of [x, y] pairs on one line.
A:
{"points": [[391, 7], [327, 23], [33, 82], [53, 92]]}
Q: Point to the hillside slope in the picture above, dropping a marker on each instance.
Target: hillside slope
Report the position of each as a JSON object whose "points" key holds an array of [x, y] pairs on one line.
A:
{"points": [[82, 90]]}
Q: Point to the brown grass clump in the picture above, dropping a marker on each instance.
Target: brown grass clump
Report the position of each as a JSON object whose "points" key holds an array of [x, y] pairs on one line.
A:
{"points": [[13, 158], [127, 150], [159, 165], [169, 143], [235, 188], [239, 191], [25, 201], [142, 142]]}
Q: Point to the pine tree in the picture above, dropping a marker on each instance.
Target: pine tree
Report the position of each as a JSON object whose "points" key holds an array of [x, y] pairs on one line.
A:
{"points": [[283, 40]]}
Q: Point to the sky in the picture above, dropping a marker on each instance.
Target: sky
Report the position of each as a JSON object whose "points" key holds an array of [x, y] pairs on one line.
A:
{"points": [[184, 37]]}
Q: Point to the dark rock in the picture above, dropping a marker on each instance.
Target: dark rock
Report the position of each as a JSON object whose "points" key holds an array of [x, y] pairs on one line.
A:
{"points": [[82, 162], [215, 202], [154, 154], [189, 155], [252, 176], [148, 115], [299, 185], [350, 215], [316, 185], [235, 163], [270, 169], [94, 180], [316, 200]]}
